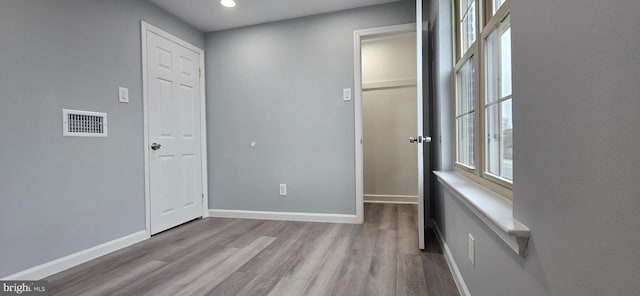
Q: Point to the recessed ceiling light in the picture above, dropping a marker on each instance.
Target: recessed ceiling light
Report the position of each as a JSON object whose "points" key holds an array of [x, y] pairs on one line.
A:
{"points": [[228, 3]]}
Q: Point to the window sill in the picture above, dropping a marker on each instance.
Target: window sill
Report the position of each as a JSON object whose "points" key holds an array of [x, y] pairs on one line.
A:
{"points": [[492, 209]]}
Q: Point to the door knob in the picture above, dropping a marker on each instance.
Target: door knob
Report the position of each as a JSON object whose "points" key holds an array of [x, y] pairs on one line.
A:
{"points": [[420, 140], [155, 146]]}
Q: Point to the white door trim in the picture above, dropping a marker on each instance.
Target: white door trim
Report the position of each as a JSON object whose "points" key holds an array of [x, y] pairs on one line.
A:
{"points": [[357, 67], [145, 103], [420, 107]]}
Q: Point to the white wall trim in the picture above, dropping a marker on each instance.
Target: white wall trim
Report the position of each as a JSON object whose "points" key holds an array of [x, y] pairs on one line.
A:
{"points": [[203, 121], [58, 265], [286, 216], [357, 79], [390, 202], [385, 37], [385, 198], [371, 85], [203, 137], [453, 267]]}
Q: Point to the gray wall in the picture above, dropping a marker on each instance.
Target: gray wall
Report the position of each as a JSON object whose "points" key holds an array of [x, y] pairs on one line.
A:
{"points": [[577, 156], [439, 17], [60, 194], [280, 84]]}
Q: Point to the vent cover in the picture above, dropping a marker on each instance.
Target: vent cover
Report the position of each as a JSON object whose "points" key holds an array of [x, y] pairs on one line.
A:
{"points": [[84, 123]]}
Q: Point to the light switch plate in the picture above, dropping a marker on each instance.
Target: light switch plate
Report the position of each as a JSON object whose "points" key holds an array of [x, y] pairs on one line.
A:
{"points": [[283, 189], [123, 95], [346, 94]]}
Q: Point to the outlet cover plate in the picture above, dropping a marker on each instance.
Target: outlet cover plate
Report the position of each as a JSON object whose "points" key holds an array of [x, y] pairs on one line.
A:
{"points": [[123, 95], [346, 94]]}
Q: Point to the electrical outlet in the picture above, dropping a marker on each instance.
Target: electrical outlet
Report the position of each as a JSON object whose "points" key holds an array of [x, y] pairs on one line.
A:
{"points": [[472, 250], [283, 189]]}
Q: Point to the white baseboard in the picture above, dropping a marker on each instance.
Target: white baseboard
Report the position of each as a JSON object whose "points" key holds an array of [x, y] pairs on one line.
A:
{"points": [[58, 265], [457, 276], [285, 216], [397, 199]]}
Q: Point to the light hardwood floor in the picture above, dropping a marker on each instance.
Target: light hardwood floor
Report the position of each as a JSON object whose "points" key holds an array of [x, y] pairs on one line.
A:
{"points": [[217, 256]]}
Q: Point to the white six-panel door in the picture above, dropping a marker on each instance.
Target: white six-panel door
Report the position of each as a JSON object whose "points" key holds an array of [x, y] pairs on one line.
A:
{"points": [[174, 135]]}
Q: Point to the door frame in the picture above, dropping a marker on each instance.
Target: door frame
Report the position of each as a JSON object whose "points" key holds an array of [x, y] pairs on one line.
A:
{"points": [[357, 108], [203, 120]]}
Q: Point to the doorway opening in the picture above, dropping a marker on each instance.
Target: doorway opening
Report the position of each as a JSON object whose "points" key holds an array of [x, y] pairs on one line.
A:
{"points": [[389, 120]]}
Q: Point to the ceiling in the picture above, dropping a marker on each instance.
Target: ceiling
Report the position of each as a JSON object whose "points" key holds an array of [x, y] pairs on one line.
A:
{"points": [[209, 15]]}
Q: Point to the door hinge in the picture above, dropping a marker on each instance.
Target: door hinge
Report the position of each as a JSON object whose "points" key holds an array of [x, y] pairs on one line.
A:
{"points": [[203, 197], [200, 72]]}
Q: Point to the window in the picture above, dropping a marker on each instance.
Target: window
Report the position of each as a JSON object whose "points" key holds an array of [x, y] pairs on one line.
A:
{"points": [[465, 111], [467, 24], [483, 93], [497, 104]]}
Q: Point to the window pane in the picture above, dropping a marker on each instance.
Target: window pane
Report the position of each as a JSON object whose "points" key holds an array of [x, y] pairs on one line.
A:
{"points": [[499, 140], [464, 6], [506, 128], [491, 74], [465, 107], [465, 85], [498, 137], [496, 5], [492, 141], [465, 140], [505, 62], [467, 28]]}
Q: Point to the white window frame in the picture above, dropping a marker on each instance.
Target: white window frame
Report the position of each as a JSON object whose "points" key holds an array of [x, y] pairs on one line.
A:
{"points": [[486, 22]]}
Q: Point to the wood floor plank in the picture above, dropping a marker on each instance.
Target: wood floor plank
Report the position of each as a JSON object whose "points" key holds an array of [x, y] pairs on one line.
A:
{"points": [[316, 252], [408, 230], [382, 272], [222, 236], [323, 281], [176, 275], [261, 285], [289, 287], [264, 228], [277, 263], [108, 284], [373, 216], [285, 234], [366, 239], [355, 270], [232, 285], [222, 256], [410, 280], [137, 254], [352, 279], [439, 280], [203, 282], [389, 218]]}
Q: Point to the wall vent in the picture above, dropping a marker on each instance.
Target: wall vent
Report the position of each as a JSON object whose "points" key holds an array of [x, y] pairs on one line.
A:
{"points": [[77, 123]]}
